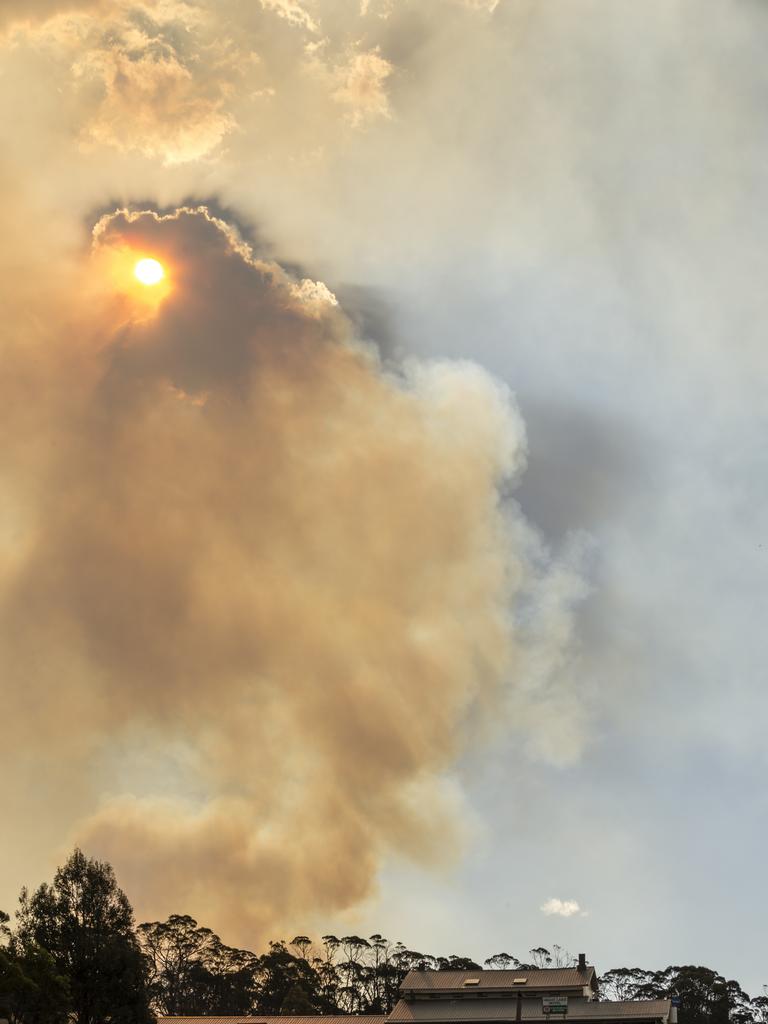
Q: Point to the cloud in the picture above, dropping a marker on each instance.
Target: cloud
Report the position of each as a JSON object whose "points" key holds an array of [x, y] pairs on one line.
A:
{"points": [[489, 6], [31, 11], [153, 104], [150, 77], [293, 12], [251, 546], [361, 87], [176, 81], [561, 908]]}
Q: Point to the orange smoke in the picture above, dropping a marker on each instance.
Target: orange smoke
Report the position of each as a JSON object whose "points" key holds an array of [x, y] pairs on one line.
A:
{"points": [[264, 584]]}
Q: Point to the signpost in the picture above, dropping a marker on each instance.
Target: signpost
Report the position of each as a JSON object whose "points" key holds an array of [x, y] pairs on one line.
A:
{"points": [[554, 1005]]}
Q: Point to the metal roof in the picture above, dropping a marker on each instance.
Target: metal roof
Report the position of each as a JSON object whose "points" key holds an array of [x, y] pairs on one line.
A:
{"points": [[640, 1008], [260, 1018], [424, 1011], [547, 978]]}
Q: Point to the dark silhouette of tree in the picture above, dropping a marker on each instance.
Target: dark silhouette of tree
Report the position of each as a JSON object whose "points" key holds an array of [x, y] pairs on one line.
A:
{"points": [[561, 957], [85, 923], [623, 982], [760, 1008], [297, 1002], [501, 962], [176, 952], [354, 974], [281, 973], [303, 945], [385, 977], [457, 963], [233, 980], [703, 995], [31, 990], [540, 957], [191, 971]]}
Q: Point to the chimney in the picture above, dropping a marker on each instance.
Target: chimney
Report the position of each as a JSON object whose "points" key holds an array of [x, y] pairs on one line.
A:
{"points": [[582, 961]]}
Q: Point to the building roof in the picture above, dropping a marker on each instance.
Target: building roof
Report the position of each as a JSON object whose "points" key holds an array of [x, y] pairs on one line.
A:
{"points": [[636, 1009], [428, 1011], [260, 1018], [546, 979], [425, 1011]]}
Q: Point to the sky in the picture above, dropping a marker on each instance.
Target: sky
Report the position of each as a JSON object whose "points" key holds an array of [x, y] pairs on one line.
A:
{"points": [[398, 565]]}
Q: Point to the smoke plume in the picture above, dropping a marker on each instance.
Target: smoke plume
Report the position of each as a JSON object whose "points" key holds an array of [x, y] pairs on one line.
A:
{"points": [[259, 589]]}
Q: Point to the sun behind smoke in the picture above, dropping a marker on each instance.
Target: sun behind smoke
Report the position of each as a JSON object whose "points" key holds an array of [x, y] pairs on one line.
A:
{"points": [[271, 585], [149, 271]]}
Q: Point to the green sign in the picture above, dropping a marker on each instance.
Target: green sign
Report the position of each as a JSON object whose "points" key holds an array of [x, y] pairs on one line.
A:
{"points": [[554, 1004]]}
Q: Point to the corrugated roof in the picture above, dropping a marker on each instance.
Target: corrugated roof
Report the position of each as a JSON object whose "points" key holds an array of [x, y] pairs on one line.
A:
{"points": [[549, 978], [643, 1008], [258, 1018], [424, 1011]]}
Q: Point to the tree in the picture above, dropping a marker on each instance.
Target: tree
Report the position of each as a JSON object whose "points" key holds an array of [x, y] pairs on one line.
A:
{"points": [[303, 944], [623, 982], [85, 923], [354, 973], [297, 1002], [176, 953], [541, 957], [561, 957], [501, 962], [457, 963], [284, 979], [705, 996], [31, 990], [385, 977]]}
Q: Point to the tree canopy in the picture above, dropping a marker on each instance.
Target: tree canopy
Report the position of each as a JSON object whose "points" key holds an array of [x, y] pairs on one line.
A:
{"points": [[83, 923], [76, 955]]}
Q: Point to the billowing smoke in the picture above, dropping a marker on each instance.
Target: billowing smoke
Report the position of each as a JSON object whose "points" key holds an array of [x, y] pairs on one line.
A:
{"points": [[260, 588]]}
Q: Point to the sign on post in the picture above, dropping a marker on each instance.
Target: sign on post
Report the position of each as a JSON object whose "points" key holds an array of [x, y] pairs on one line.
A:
{"points": [[554, 1004]]}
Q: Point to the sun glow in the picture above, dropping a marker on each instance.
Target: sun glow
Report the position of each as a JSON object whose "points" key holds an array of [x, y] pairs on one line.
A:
{"points": [[149, 271]]}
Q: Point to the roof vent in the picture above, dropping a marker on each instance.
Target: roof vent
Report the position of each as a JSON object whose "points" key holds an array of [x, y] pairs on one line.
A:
{"points": [[519, 981], [471, 981]]}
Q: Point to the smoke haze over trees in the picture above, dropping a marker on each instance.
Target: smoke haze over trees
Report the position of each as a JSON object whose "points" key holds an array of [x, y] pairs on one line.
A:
{"points": [[75, 954]]}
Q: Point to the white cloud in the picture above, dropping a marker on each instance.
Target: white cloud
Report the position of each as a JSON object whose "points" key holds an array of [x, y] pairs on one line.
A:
{"points": [[561, 908], [151, 78], [292, 11], [361, 87]]}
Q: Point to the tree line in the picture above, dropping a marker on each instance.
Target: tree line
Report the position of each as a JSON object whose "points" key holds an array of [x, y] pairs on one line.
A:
{"points": [[75, 956]]}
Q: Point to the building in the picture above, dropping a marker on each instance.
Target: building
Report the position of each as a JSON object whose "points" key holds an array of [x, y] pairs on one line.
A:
{"points": [[504, 997], [549, 995]]}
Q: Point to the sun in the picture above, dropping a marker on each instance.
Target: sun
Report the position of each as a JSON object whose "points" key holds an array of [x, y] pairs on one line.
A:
{"points": [[149, 271]]}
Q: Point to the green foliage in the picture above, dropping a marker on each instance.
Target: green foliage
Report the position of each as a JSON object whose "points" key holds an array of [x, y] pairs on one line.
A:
{"points": [[705, 997], [501, 962], [31, 989], [191, 971], [283, 978], [623, 982], [85, 923]]}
